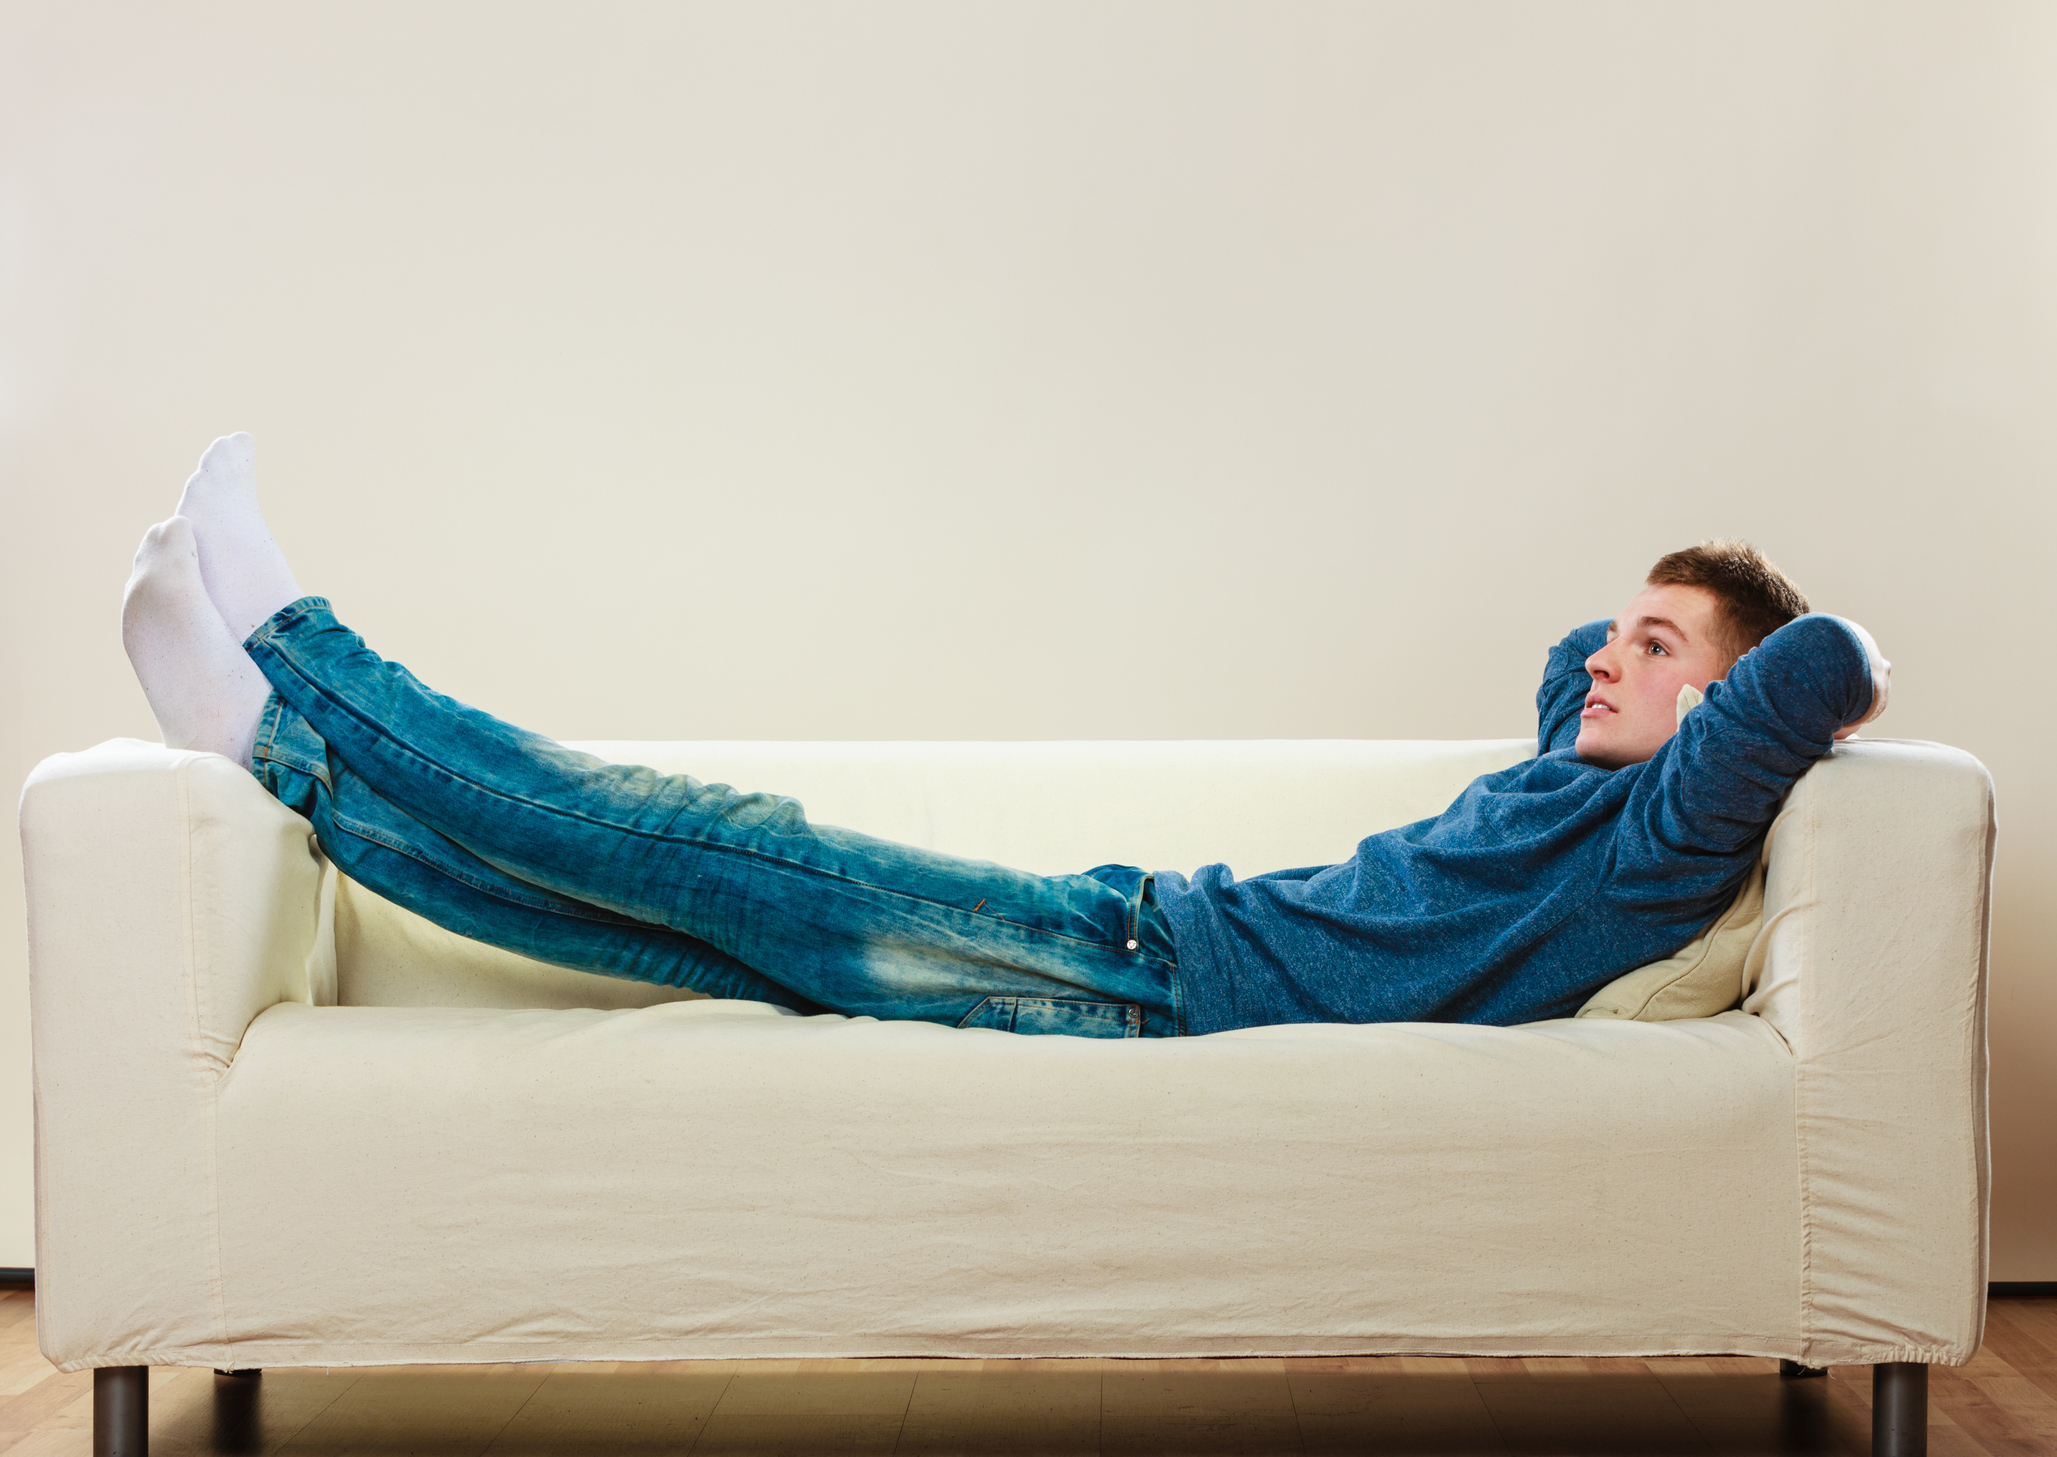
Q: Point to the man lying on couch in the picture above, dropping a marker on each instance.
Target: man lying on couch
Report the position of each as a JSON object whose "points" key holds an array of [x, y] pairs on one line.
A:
{"points": [[1627, 834]]}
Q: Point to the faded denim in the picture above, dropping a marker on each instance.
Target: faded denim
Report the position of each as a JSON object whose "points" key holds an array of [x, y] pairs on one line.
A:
{"points": [[510, 838]]}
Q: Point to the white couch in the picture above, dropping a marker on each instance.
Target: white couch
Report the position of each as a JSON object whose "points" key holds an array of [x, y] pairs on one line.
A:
{"points": [[281, 1123]]}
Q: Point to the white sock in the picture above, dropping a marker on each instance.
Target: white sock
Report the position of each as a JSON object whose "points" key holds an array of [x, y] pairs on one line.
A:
{"points": [[203, 688], [245, 572]]}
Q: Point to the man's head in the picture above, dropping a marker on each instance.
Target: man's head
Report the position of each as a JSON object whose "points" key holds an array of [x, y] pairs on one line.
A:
{"points": [[1700, 610]]}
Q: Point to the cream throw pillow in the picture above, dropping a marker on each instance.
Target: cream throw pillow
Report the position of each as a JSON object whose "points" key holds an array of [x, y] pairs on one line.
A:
{"points": [[1703, 979]]}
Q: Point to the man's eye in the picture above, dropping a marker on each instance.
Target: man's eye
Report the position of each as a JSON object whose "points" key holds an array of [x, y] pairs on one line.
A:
{"points": [[1658, 648]]}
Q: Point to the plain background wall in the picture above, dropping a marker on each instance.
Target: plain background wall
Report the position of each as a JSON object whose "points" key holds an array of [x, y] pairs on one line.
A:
{"points": [[1048, 370]]}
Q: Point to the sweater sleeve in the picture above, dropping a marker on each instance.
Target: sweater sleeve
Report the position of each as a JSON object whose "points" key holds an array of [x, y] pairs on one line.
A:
{"points": [[1565, 684], [1709, 793]]}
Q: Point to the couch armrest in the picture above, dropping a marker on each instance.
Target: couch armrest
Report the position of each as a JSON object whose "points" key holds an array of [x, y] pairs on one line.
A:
{"points": [[1873, 968], [170, 900]]}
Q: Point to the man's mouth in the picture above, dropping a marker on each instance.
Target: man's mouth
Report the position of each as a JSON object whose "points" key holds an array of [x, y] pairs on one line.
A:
{"points": [[1597, 708]]}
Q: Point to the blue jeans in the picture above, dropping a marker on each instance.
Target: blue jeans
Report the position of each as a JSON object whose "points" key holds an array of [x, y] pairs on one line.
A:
{"points": [[510, 838]]}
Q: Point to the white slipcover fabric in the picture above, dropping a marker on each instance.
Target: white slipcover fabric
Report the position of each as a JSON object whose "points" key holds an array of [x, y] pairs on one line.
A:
{"points": [[474, 1158]]}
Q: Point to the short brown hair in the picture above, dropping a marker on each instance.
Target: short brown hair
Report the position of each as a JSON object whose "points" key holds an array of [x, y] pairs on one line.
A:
{"points": [[1756, 598]]}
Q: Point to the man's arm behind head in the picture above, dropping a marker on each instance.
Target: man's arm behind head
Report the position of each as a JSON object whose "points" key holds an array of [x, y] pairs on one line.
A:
{"points": [[1562, 692]]}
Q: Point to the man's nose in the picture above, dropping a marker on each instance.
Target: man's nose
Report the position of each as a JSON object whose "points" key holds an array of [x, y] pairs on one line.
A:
{"points": [[1601, 663]]}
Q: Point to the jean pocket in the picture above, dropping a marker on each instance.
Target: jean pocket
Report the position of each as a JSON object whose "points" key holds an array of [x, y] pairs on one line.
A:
{"points": [[1056, 1017]]}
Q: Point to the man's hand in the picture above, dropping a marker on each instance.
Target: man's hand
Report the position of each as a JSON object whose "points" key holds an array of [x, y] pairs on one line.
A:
{"points": [[1881, 681]]}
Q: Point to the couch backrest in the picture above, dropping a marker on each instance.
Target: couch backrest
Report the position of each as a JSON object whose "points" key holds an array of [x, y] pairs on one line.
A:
{"points": [[1048, 807]]}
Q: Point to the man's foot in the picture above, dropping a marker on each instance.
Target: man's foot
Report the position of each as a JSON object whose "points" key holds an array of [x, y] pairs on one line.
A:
{"points": [[245, 572], [202, 686]]}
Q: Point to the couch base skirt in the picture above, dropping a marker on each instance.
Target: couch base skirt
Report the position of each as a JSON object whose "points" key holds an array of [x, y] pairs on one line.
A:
{"points": [[259, 1356], [715, 1181]]}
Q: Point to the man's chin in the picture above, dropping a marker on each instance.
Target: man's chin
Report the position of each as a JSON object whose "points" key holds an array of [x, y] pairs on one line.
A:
{"points": [[1597, 746], [1611, 750]]}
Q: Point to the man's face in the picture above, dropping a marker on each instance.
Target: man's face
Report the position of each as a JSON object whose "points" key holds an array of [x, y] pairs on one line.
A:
{"points": [[1668, 638]]}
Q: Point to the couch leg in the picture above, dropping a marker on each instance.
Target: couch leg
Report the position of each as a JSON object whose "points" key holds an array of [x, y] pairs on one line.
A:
{"points": [[1794, 1371], [121, 1411], [1899, 1409]]}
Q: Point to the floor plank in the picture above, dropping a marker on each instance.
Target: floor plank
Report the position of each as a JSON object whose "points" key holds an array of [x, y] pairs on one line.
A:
{"points": [[618, 1408], [1749, 1410], [1383, 1407], [46, 1405], [1045, 1408], [1198, 1408], [1566, 1411], [808, 1407], [454, 1410]]}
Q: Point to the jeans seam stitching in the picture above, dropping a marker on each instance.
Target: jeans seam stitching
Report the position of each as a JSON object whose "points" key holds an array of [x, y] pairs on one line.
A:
{"points": [[291, 761], [1130, 1013], [371, 834], [982, 1003]]}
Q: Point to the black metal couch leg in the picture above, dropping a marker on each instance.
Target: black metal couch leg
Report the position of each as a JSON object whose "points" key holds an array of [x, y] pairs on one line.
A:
{"points": [[121, 1411], [1899, 1409]]}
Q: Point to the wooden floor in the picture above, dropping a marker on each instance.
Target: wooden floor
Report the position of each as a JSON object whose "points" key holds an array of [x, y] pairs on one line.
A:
{"points": [[2004, 1402]]}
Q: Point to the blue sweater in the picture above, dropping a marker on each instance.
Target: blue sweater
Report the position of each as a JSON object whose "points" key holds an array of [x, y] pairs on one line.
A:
{"points": [[1541, 883]]}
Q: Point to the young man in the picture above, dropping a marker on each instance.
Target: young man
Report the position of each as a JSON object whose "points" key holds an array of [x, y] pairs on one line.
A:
{"points": [[1626, 835]]}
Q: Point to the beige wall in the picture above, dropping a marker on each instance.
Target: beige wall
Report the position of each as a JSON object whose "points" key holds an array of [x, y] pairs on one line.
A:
{"points": [[1047, 371]]}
